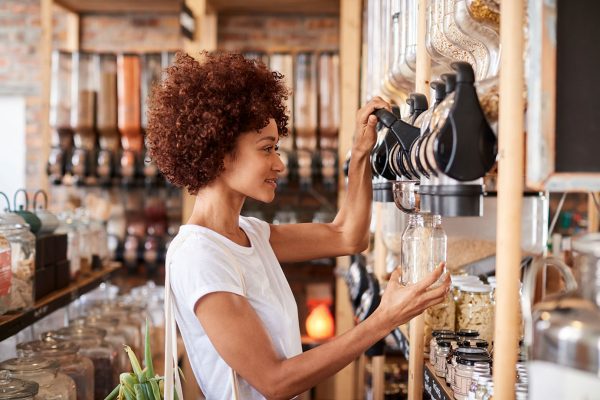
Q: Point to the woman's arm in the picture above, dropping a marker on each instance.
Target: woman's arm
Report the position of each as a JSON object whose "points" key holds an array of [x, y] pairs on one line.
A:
{"points": [[349, 231], [238, 335]]}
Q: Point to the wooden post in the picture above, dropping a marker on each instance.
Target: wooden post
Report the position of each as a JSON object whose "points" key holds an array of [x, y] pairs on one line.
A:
{"points": [[593, 213], [350, 43], [379, 250], [415, 362], [205, 39], [510, 189]]}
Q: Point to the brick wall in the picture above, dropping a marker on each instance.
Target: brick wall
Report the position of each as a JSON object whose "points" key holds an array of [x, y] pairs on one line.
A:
{"points": [[130, 33], [278, 33]]}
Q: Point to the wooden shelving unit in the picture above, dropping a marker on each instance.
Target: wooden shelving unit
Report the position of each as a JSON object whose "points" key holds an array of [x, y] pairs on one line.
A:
{"points": [[13, 323]]}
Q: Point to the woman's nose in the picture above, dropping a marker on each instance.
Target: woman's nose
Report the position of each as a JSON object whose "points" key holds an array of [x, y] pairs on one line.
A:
{"points": [[279, 164]]}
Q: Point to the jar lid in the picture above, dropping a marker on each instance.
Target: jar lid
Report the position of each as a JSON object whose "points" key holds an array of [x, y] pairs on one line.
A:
{"points": [[441, 332], [473, 343], [75, 331], [468, 333], [27, 364], [470, 350], [464, 278], [444, 343], [477, 288], [446, 337], [11, 388], [49, 347], [472, 359]]}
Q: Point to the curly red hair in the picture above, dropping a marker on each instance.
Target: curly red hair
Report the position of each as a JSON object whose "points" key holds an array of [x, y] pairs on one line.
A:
{"points": [[197, 112]]}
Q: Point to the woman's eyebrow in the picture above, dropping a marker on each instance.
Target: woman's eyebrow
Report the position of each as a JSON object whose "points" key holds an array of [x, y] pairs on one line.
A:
{"points": [[271, 138]]}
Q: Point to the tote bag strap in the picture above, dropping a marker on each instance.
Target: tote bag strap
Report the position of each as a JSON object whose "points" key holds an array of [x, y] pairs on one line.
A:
{"points": [[172, 379]]}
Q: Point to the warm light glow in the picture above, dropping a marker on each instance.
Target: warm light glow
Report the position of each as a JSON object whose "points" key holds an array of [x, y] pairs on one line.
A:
{"points": [[319, 323]]}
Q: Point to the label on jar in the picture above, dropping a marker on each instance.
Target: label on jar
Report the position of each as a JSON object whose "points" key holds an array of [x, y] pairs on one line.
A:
{"points": [[5, 272], [461, 383], [552, 381]]}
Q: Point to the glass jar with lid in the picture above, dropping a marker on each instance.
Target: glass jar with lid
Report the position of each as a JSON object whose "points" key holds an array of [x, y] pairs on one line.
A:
{"points": [[52, 384], [432, 343], [481, 389], [116, 336], [475, 310], [132, 320], [68, 225], [92, 345], [466, 365], [79, 368], [460, 351], [22, 257], [467, 334], [5, 275], [441, 353], [13, 389]]}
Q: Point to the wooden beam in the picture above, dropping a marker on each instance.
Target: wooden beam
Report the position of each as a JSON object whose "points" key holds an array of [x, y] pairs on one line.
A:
{"points": [[510, 189], [350, 56], [593, 213]]}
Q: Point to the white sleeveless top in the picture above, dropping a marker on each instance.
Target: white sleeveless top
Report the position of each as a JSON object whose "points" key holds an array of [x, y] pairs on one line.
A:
{"points": [[203, 263]]}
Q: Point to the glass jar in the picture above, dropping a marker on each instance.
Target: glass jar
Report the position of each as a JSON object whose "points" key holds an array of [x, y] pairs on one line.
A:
{"points": [[52, 384], [458, 352], [475, 310], [441, 48], [439, 317], [79, 368], [432, 343], [22, 256], [13, 389], [68, 226], [481, 389], [466, 366], [132, 320], [5, 275], [116, 336], [441, 353], [92, 345]]}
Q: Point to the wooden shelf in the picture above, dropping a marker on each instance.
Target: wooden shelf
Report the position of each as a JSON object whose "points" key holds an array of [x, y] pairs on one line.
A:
{"points": [[11, 324], [435, 386]]}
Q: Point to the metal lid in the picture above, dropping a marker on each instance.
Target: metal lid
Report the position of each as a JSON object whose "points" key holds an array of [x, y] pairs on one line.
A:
{"points": [[472, 359], [440, 332], [481, 343], [444, 343], [476, 288], [28, 364], [11, 388], [468, 333]]}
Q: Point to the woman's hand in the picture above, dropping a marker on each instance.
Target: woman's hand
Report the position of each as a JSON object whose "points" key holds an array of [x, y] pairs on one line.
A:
{"points": [[401, 303], [365, 135]]}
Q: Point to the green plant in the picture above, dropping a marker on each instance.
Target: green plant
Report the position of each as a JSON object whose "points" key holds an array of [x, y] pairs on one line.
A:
{"points": [[141, 384]]}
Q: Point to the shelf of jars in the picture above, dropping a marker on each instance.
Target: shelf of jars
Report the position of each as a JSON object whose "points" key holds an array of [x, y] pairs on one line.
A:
{"points": [[10, 324]]}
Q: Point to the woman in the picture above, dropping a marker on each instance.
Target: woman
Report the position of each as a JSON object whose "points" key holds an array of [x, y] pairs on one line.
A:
{"points": [[213, 128]]}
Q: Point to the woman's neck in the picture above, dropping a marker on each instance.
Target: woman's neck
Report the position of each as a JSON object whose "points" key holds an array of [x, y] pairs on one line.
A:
{"points": [[219, 210]]}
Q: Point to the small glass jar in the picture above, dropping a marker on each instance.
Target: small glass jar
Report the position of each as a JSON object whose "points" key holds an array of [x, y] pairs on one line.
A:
{"points": [[79, 368], [466, 365], [432, 343], [22, 256], [460, 351], [5, 275], [475, 310], [52, 384], [441, 352], [481, 389], [13, 389], [92, 345]]}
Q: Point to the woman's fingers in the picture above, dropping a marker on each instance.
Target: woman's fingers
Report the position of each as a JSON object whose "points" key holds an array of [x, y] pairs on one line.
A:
{"points": [[431, 278], [375, 104], [396, 276]]}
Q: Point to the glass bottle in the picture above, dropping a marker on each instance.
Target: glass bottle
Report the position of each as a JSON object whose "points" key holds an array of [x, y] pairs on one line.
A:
{"points": [[79, 368], [22, 259], [52, 384], [13, 389], [412, 245], [68, 225]]}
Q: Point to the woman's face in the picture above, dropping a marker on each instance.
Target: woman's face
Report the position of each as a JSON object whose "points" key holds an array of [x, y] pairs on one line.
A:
{"points": [[254, 168]]}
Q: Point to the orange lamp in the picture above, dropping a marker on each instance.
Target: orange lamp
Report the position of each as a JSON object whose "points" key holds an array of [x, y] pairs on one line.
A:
{"points": [[319, 323]]}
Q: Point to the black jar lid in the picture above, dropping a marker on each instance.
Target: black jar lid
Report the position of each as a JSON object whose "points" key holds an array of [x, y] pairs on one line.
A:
{"points": [[444, 343], [446, 337], [466, 351], [482, 343], [440, 332], [472, 359], [468, 333]]}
